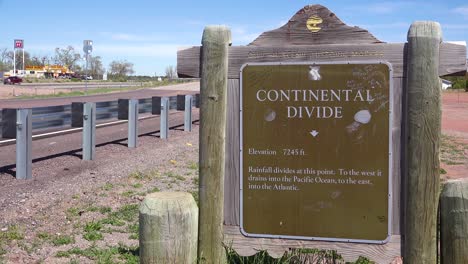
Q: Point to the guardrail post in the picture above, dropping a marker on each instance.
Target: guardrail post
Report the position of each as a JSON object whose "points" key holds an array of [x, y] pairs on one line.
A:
{"points": [[128, 110], [164, 130], [89, 131], [132, 123], [23, 144], [184, 103], [188, 113]]}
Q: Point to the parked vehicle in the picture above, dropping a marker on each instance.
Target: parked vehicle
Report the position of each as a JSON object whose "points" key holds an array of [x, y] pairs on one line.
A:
{"points": [[13, 80], [86, 77]]}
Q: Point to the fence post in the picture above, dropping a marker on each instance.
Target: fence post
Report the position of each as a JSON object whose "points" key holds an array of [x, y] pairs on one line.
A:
{"points": [[23, 144], [424, 126], [164, 117], [132, 123], [213, 88], [89, 131], [454, 222], [168, 228]]}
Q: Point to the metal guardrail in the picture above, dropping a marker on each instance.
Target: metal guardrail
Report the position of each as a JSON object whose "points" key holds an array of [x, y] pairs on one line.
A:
{"points": [[19, 123], [59, 117]]}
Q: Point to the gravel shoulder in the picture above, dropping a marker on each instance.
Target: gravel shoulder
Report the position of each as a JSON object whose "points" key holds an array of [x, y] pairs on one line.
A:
{"points": [[76, 211]]}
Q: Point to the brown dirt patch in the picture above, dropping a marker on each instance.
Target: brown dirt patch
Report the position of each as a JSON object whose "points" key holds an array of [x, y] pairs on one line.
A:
{"points": [[454, 151], [74, 211], [12, 91]]}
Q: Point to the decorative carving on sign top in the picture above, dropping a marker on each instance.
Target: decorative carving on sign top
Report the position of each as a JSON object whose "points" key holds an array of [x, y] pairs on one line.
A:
{"points": [[313, 23]]}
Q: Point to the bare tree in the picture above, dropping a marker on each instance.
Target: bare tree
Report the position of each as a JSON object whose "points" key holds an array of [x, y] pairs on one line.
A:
{"points": [[67, 57], [95, 67], [171, 72], [19, 58], [5, 62], [121, 68], [35, 61]]}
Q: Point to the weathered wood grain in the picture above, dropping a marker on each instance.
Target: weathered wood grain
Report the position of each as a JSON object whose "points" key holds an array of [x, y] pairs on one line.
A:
{"points": [[232, 168], [452, 56], [168, 228], [424, 128], [331, 30], [398, 87], [213, 90], [454, 222], [383, 254]]}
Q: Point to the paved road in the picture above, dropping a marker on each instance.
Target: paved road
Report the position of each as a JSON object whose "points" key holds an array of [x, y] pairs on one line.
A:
{"points": [[455, 113], [171, 90], [68, 85], [70, 144]]}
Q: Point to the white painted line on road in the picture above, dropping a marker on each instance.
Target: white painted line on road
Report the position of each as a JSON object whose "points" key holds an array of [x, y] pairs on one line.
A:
{"points": [[54, 133], [7, 141]]}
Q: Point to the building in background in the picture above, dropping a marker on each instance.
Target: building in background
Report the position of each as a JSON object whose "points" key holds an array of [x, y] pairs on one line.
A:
{"points": [[47, 71], [446, 84]]}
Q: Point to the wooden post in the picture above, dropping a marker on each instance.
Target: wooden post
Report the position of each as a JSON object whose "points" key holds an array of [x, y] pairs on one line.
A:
{"points": [[454, 222], [424, 126], [213, 88], [168, 228]]}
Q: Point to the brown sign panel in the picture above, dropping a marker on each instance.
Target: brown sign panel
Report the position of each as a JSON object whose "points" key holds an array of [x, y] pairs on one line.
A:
{"points": [[315, 151]]}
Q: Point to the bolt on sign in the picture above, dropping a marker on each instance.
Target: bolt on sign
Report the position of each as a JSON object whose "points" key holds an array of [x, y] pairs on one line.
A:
{"points": [[19, 44], [317, 166]]}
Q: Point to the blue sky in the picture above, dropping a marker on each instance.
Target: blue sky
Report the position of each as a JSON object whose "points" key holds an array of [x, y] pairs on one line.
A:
{"points": [[148, 32]]}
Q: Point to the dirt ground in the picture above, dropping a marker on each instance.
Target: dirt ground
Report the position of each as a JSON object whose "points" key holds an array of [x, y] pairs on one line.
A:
{"points": [[11, 91], [454, 154], [74, 211]]}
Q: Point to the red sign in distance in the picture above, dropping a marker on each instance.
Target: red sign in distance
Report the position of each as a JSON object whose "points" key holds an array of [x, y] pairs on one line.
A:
{"points": [[19, 43]]}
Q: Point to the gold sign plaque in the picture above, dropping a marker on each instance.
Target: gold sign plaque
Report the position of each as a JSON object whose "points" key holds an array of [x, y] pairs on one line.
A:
{"points": [[313, 22], [315, 151]]}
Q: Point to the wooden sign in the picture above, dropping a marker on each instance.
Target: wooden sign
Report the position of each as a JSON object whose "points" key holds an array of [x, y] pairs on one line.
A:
{"points": [[362, 218], [315, 145]]}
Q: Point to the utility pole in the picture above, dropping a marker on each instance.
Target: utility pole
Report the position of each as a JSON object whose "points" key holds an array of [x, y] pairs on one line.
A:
{"points": [[14, 61], [87, 48]]}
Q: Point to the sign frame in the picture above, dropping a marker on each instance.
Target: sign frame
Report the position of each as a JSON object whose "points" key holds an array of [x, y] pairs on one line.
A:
{"points": [[390, 159]]}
